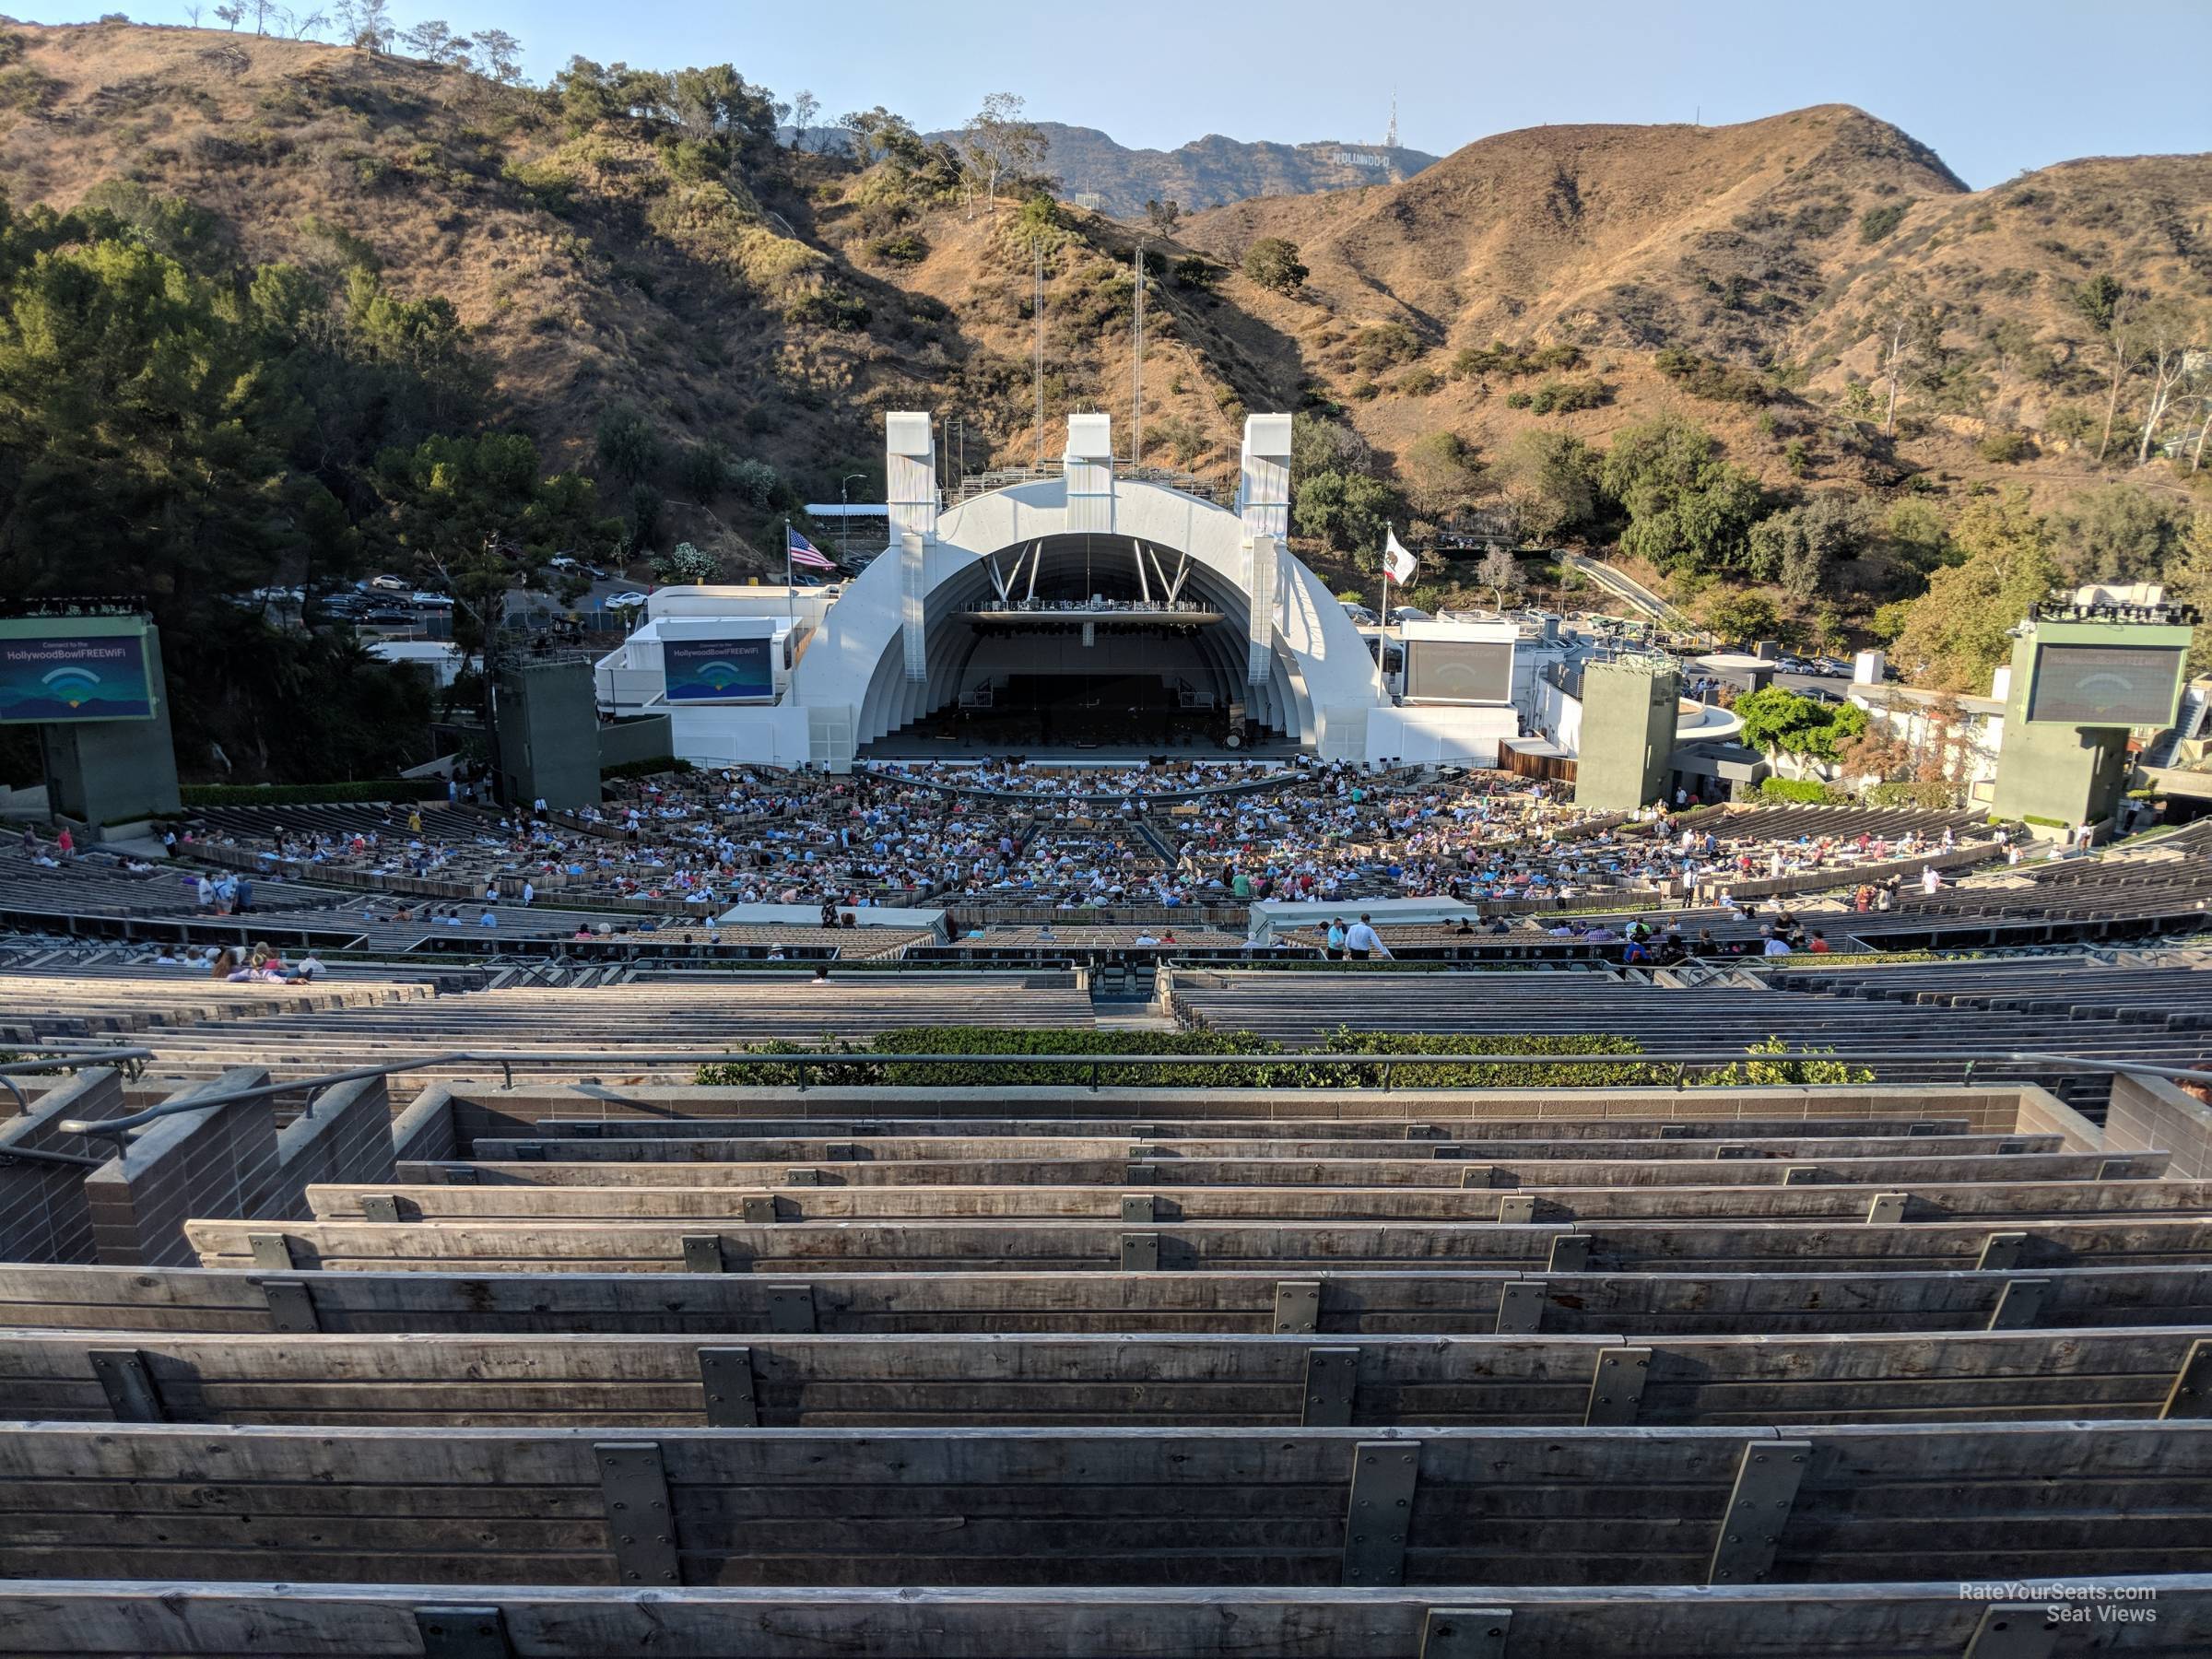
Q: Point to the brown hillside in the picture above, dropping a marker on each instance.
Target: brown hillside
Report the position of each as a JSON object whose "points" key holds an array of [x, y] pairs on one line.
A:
{"points": [[589, 278], [1769, 246], [1734, 274], [1629, 236]]}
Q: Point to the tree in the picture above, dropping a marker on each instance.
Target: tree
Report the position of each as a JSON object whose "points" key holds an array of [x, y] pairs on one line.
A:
{"points": [[434, 42], [2189, 580], [368, 24], [1319, 444], [627, 445], [1742, 618], [1442, 475], [874, 131], [1345, 510], [1910, 326], [1163, 217], [1553, 480], [501, 56], [231, 14], [1776, 719], [2118, 532], [1688, 508], [1273, 264], [1958, 632], [1500, 573], [716, 104], [476, 512], [2171, 331], [1798, 548], [2107, 305], [998, 142], [804, 109]]}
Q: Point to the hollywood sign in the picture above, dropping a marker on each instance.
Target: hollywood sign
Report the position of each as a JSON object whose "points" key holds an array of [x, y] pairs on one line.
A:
{"points": [[1359, 158]]}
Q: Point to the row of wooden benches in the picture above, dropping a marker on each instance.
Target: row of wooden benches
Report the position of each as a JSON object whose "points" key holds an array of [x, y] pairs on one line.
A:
{"points": [[1218, 1507], [1424, 1300], [1475, 1200], [896, 1381], [1878, 1243], [2163, 1617]]}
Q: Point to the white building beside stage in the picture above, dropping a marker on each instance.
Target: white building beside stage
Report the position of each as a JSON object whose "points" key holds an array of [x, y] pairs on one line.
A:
{"points": [[815, 680]]}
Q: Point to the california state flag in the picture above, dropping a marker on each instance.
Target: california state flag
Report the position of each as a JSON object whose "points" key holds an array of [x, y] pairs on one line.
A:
{"points": [[1395, 560]]}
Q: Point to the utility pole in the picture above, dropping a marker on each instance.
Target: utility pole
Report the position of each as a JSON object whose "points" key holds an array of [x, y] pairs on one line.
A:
{"points": [[1037, 312], [1137, 371]]}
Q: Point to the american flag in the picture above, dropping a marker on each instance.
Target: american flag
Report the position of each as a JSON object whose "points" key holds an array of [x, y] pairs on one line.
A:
{"points": [[805, 554]]}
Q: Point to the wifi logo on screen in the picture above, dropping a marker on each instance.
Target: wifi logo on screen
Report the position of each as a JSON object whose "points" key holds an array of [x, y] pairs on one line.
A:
{"points": [[72, 684]]}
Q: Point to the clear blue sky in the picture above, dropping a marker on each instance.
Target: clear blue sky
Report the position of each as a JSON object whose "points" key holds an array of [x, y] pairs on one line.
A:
{"points": [[1994, 87]]}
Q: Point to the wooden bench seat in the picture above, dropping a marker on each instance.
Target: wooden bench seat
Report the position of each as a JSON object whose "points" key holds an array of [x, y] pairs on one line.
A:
{"points": [[616, 1175], [1430, 1300], [816, 1381], [1012, 1507], [649, 1143], [941, 1246], [1994, 1199], [67, 1619]]}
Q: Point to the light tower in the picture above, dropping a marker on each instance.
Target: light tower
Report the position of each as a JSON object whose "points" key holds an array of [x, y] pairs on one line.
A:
{"points": [[1390, 139]]}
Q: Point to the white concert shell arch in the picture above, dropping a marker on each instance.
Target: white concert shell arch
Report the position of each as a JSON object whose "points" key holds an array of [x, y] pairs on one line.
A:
{"points": [[1318, 689]]}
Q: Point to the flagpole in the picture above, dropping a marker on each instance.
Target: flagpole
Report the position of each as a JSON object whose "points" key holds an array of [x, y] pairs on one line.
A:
{"points": [[1382, 640], [791, 610]]}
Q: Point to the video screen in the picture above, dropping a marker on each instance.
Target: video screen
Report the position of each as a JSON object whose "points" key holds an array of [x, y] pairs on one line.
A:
{"points": [[2105, 685], [75, 678], [1450, 671], [717, 670]]}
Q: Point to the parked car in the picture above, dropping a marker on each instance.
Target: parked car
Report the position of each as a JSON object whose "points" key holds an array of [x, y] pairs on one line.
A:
{"points": [[429, 601], [388, 617], [1359, 614], [387, 584], [1402, 614], [1834, 667], [630, 601]]}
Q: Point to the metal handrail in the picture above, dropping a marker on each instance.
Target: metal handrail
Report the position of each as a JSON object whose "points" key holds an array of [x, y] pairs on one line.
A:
{"points": [[60, 1057], [507, 1059]]}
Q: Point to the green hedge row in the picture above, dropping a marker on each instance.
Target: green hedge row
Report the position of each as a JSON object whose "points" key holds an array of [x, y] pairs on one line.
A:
{"points": [[1803, 792], [849, 1064], [310, 795]]}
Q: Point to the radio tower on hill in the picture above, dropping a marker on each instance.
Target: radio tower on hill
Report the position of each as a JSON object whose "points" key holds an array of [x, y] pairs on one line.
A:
{"points": [[1390, 139]]}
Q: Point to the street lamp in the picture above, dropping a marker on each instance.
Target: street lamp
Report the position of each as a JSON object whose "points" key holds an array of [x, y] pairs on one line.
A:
{"points": [[844, 522]]}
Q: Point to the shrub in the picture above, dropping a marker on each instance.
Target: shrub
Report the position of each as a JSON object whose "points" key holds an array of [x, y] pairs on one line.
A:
{"points": [[907, 248], [853, 1064], [1563, 397], [1273, 262], [829, 307], [1761, 1073], [2008, 446], [1518, 400], [1706, 378], [1877, 222], [1420, 383], [1802, 791], [1193, 272]]}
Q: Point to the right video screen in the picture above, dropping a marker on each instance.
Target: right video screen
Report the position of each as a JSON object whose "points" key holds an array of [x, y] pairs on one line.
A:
{"points": [[2104, 685]]}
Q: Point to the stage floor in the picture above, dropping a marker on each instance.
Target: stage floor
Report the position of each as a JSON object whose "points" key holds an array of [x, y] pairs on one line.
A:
{"points": [[901, 746]]}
